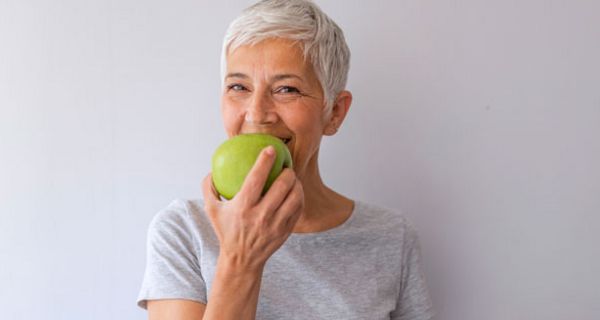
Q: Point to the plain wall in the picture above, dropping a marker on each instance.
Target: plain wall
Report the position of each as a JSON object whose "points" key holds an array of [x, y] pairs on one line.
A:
{"points": [[479, 119]]}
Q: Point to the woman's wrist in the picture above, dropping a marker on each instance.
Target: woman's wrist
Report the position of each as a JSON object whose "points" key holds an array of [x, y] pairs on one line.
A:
{"points": [[235, 290], [235, 266]]}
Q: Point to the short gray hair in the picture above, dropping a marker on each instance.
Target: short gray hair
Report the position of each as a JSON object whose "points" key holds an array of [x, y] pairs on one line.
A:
{"points": [[302, 21]]}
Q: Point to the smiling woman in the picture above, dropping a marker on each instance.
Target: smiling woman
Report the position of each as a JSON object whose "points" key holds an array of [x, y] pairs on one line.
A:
{"points": [[271, 88], [301, 251]]}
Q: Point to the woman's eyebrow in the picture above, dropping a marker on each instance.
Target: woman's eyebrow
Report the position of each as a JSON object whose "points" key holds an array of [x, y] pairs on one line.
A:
{"points": [[280, 77], [237, 75], [275, 78]]}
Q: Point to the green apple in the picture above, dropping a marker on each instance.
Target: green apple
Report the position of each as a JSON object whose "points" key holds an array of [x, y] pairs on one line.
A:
{"points": [[233, 160]]}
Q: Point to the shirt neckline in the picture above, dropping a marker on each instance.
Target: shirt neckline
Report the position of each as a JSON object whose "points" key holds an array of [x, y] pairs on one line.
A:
{"points": [[330, 232]]}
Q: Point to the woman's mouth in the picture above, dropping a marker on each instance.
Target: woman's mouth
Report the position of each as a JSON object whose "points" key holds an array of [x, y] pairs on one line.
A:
{"points": [[286, 140]]}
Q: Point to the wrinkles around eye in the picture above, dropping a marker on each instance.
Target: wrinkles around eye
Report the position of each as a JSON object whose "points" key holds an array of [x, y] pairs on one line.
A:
{"points": [[236, 87], [287, 90]]}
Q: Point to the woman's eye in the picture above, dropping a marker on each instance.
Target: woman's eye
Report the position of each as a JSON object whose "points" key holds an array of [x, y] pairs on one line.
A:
{"points": [[287, 89], [236, 87]]}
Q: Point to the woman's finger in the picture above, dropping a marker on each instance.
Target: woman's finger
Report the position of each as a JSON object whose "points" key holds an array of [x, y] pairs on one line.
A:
{"points": [[291, 208], [290, 223], [257, 177], [280, 188], [211, 196]]}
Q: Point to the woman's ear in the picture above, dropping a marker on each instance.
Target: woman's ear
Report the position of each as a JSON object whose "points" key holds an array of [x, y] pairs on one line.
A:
{"points": [[340, 108]]}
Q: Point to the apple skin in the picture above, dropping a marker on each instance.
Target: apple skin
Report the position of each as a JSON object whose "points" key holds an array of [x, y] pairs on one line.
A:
{"points": [[234, 158]]}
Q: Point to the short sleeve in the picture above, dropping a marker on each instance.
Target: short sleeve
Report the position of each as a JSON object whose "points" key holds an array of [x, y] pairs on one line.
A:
{"points": [[414, 302], [172, 262]]}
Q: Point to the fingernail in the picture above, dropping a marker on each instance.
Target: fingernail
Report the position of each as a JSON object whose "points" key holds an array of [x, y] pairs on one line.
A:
{"points": [[269, 150]]}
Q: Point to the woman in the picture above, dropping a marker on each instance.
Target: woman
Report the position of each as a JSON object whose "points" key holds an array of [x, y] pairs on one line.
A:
{"points": [[303, 251]]}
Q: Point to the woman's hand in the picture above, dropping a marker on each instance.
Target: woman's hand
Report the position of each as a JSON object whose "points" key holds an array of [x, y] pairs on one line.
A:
{"points": [[250, 228]]}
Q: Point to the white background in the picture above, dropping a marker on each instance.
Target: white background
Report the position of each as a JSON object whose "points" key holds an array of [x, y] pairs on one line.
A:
{"points": [[479, 119]]}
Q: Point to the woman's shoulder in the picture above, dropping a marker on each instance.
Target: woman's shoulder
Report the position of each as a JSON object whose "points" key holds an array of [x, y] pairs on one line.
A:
{"points": [[182, 217], [179, 210], [383, 219]]}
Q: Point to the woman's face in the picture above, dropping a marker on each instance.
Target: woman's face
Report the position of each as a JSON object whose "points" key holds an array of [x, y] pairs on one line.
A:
{"points": [[269, 88]]}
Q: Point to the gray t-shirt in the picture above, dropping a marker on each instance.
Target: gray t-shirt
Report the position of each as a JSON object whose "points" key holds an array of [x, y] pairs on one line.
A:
{"points": [[366, 268]]}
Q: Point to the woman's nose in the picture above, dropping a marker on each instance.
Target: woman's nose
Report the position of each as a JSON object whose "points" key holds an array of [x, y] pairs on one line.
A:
{"points": [[261, 110]]}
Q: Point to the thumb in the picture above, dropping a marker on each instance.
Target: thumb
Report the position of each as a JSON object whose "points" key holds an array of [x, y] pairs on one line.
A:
{"points": [[211, 195]]}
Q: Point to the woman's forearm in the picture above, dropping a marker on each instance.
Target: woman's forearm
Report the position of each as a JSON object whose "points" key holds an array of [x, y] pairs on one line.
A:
{"points": [[234, 293]]}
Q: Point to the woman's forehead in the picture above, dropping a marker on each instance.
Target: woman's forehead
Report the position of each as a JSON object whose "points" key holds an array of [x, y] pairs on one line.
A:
{"points": [[276, 57]]}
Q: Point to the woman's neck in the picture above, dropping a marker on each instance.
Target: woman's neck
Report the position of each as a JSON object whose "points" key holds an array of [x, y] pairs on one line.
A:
{"points": [[323, 207]]}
